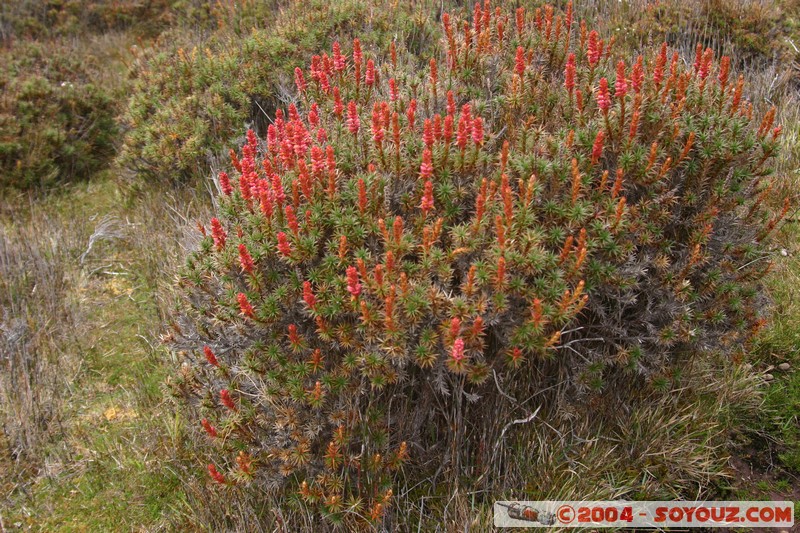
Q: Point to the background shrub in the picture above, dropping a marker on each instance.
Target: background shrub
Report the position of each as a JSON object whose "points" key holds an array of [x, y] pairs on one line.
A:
{"points": [[55, 123], [417, 261]]}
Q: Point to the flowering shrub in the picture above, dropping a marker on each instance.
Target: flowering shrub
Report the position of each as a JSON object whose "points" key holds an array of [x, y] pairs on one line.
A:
{"points": [[188, 103], [409, 254]]}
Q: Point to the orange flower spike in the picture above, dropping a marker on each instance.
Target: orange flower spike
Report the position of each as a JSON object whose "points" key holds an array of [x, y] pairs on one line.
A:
{"points": [[365, 314], [500, 230], [536, 312], [397, 229], [737, 95], [384, 231], [724, 72], [652, 158], [576, 181], [390, 262], [603, 181], [501, 272], [477, 327], [566, 249], [620, 211], [617, 184]]}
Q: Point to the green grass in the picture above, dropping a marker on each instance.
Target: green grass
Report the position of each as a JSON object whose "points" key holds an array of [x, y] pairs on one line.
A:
{"points": [[780, 343], [112, 467]]}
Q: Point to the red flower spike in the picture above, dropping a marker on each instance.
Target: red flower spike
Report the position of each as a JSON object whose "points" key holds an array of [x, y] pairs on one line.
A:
{"points": [[245, 259], [357, 55], [427, 198], [593, 52], [313, 115], [464, 131], [411, 113], [451, 103], [210, 357], [426, 168], [477, 131], [294, 337], [324, 83], [369, 77], [338, 105], [519, 62], [227, 401], [437, 127], [457, 354], [294, 116], [215, 475], [516, 356], [284, 247], [339, 60], [252, 140], [705, 64], [394, 94], [427, 134], [211, 430], [218, 234], [569, 74], [308, 295], [455, 327], [597, 148], [299, 80], [620, 84], [353, 123], [603, 99], [353, 284], [291, 220], [244, 305], [637, 75], [272, 138], [225, 184], [661, 63]]}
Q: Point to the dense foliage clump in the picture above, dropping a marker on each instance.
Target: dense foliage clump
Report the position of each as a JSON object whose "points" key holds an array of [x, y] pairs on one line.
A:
{"points": [[411, 254], [55, 123]]}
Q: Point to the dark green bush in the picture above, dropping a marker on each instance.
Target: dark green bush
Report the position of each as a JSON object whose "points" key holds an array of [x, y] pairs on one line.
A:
{"points": [[55, 124]]}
